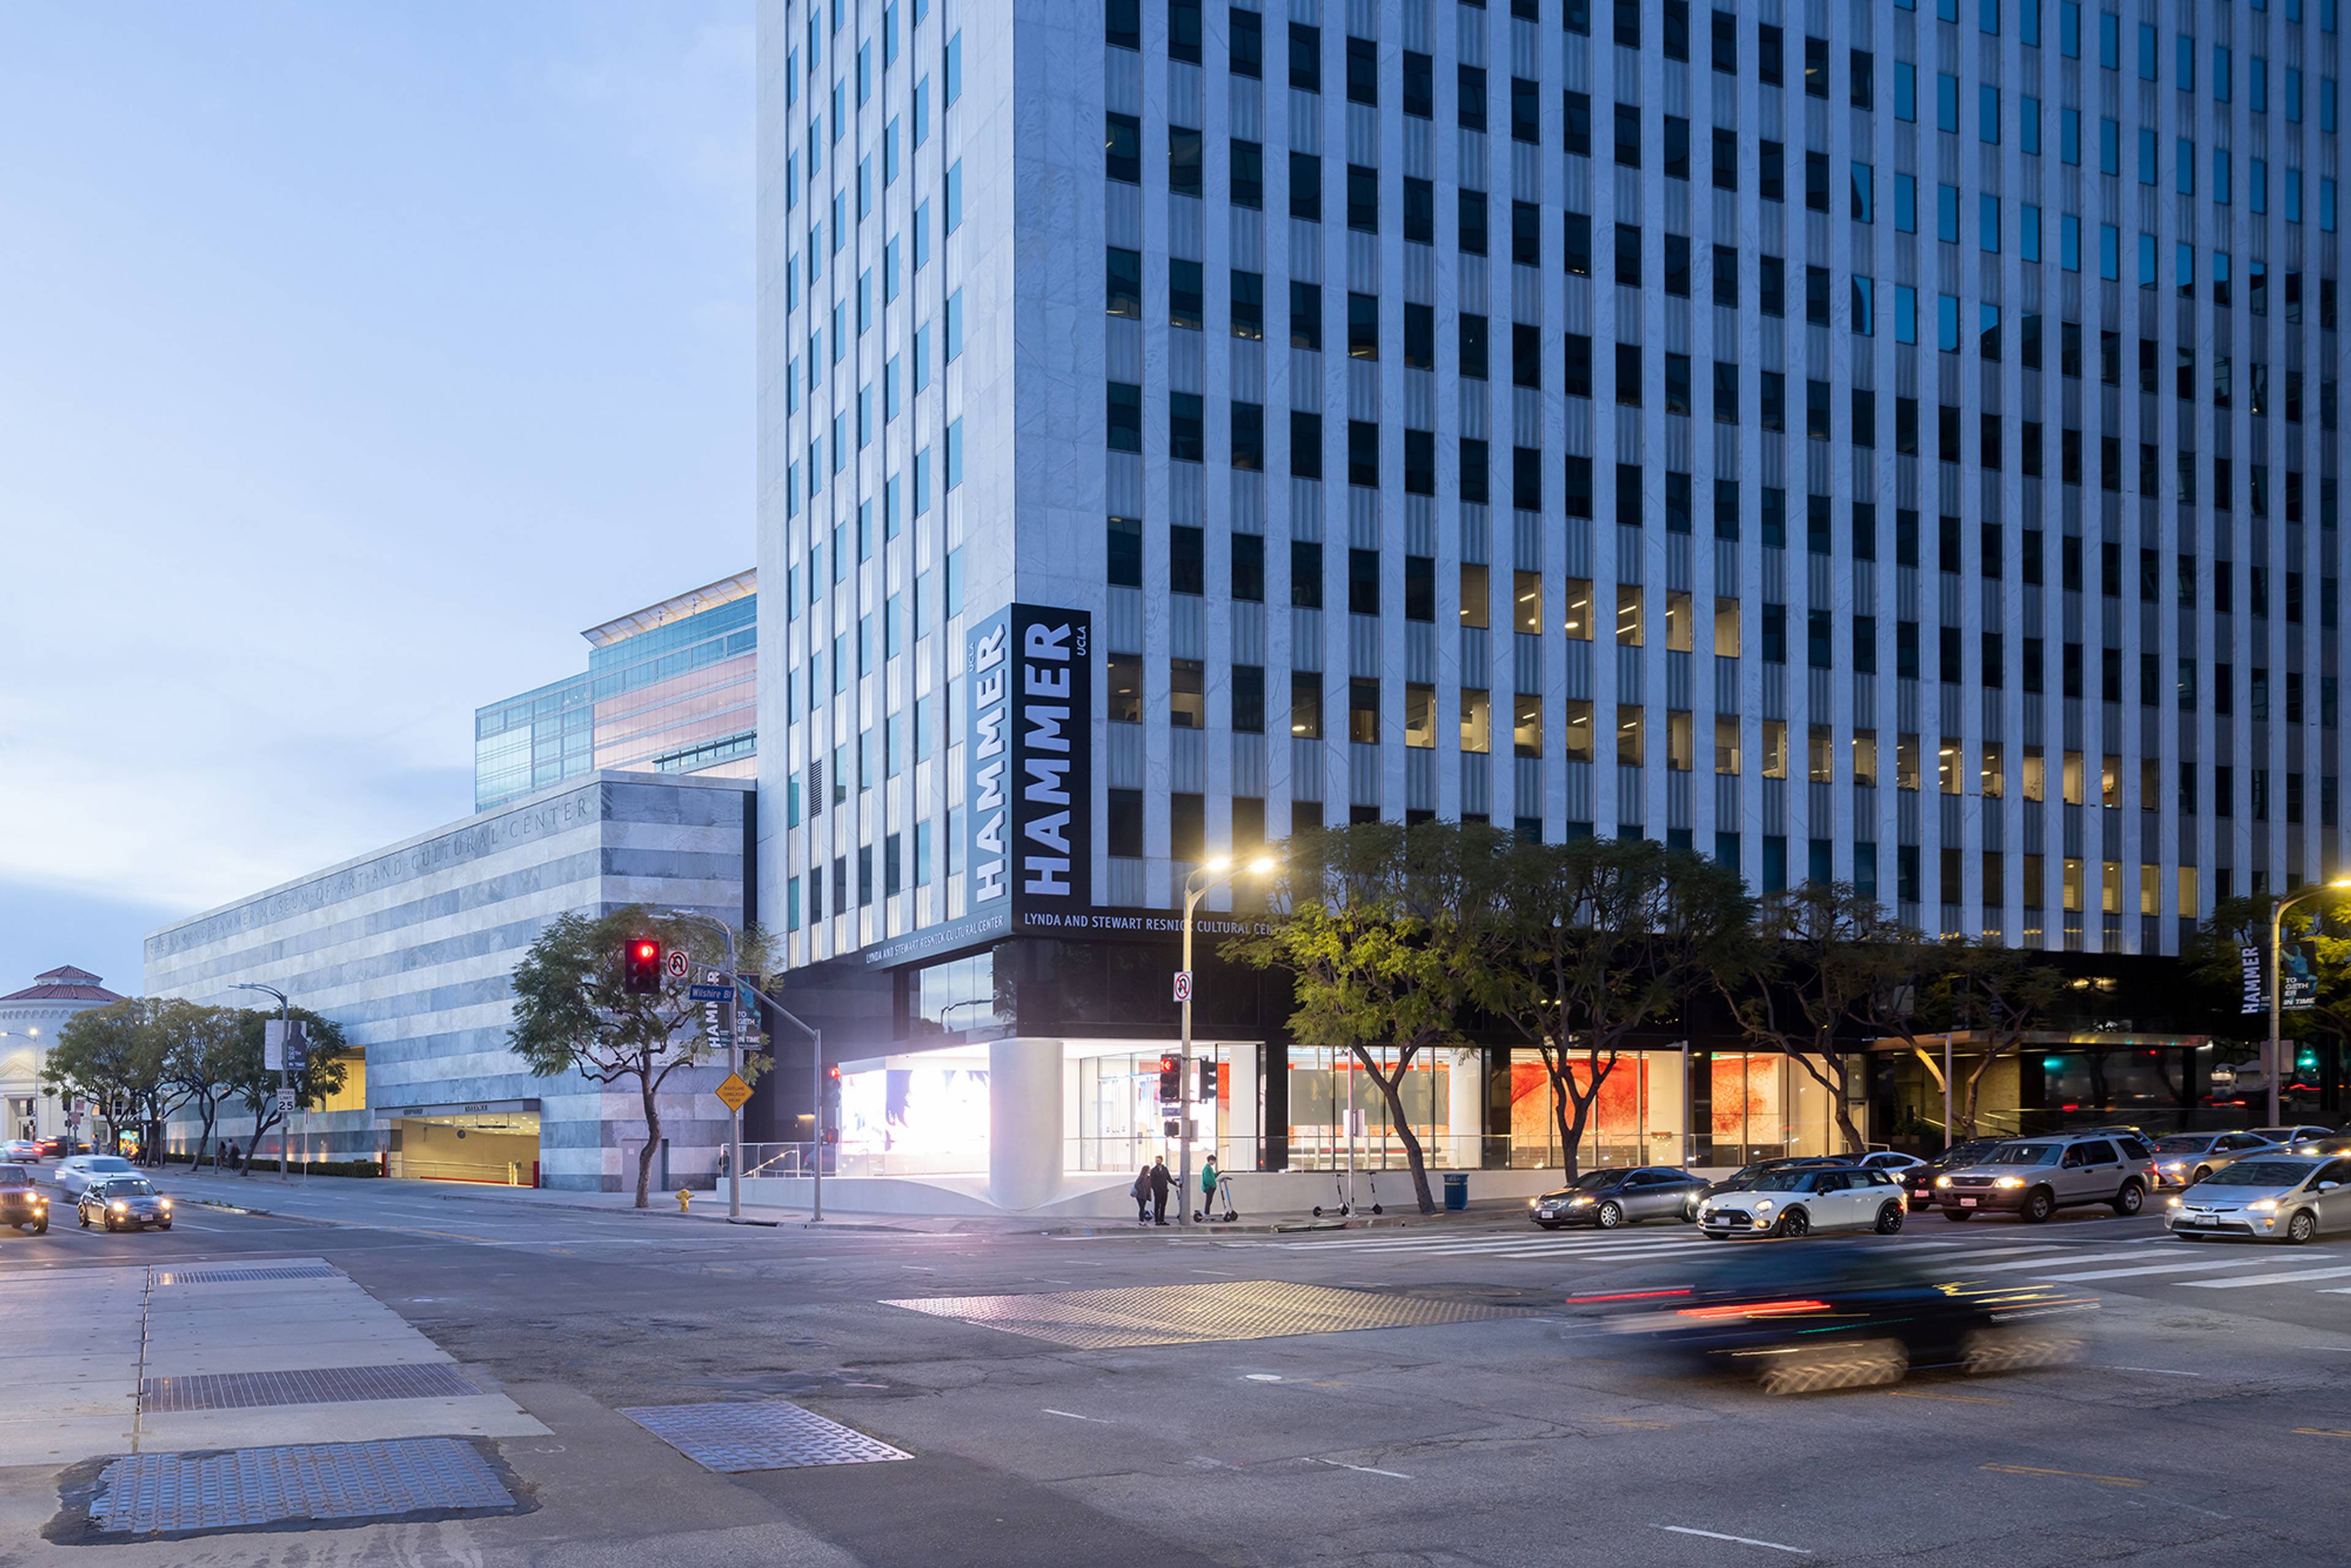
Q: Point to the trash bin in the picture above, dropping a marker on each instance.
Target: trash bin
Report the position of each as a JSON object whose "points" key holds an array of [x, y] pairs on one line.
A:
{"points": [[1456, 1189]]}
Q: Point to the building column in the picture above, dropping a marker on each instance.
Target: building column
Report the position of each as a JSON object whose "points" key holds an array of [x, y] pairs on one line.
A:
{"points": [[1465, 1110], [1024, 1122]]}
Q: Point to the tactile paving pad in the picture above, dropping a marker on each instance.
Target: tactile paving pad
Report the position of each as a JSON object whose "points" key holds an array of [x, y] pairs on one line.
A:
{"points": [[241, 1276], [758, 1435], [154, 1494], [321, 1386], [1197, 1314]]}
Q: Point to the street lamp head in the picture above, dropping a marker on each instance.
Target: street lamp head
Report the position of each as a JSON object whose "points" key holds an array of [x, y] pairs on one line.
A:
{"points": [[1265, 865], [2340, 881], [1216, 865]]}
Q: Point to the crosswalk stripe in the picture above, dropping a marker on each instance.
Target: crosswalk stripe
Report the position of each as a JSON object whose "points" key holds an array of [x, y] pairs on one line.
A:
{"points": [[2291, 1274], [2085, 1275], [2042, 1262]]}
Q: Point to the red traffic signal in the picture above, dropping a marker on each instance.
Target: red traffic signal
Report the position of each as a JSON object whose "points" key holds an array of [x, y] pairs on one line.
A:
{"points": [[641, 966], [1171, 1079]]}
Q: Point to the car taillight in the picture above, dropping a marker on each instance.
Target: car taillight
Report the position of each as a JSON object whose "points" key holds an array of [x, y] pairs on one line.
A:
{"points": [[1755, 1310]]}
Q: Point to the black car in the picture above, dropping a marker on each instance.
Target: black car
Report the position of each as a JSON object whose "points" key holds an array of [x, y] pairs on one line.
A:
{"points": [[1919, 1182], [1617, 1196], [1744, 1177], [21, 1202], [1796, 1320]]}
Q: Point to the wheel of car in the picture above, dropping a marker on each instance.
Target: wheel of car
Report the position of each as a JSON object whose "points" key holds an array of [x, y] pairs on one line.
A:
{"points": [[1890, 1219], [2201, 1172], [83, 1215], [42, 1228], [2300, 1227], [1958, 1215], [1795, 1222], [1689, 1212], [1611, 1215], [2128, 1201], [2039, 1205]]}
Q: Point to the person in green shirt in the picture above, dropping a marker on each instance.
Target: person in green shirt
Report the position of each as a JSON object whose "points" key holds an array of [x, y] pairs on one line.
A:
{"points": [[1208, 1187]]}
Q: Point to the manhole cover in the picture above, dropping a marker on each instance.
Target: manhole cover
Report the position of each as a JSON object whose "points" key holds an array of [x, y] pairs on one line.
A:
{"points": [[323, 1386], [1196, 1314], [158, 1494], [242, 1276], [760, 1435]]}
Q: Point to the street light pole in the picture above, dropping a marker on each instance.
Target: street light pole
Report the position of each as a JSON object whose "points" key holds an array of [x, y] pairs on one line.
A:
{"points": [[734, 1060], [2271, 1052], [1216, 872], [283, 1030]]}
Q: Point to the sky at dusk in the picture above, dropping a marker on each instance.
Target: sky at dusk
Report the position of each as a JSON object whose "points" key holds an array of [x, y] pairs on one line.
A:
{"points": [[356, 357]]}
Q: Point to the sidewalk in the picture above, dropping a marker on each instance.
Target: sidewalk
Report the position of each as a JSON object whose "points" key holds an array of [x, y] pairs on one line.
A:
{"points": [[350, 1199]]}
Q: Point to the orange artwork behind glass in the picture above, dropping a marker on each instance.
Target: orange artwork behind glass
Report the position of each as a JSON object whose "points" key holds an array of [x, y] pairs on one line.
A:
{"points": [[1616, 1115], [1747, 1103]]}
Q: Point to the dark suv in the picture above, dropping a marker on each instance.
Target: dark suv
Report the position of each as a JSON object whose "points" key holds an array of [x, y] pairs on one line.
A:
{"points": [[21, 1202]]}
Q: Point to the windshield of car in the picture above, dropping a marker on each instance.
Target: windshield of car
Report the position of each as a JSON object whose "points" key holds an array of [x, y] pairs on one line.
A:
{"points": [[1783, 1181], [2023, 1154], [14, 1176], [1968, 1152], [1593, 1181], [2260, 1173], [127, 1187], [2195, 1145]]}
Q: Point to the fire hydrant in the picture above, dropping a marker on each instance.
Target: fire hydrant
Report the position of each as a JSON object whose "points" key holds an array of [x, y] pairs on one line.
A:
{"points": [[683, 1196]]}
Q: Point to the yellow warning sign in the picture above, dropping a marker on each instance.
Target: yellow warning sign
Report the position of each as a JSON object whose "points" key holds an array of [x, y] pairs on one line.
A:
{"points": [[734, 1092]]}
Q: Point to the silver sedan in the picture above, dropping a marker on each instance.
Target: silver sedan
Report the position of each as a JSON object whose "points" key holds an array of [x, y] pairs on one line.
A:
{"points": [[2269, 1197]]}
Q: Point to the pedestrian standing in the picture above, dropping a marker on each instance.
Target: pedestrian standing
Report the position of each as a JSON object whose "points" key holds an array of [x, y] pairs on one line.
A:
{"points": [[1208, 1188], [1160, 1183], [1141, 1193]]}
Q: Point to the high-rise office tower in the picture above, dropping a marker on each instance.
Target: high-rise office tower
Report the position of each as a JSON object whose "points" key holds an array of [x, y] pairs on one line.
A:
{"points": [[1898, 445]]}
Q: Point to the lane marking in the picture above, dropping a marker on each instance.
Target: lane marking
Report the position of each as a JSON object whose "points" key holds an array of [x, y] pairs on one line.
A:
{"points": [[2069, 1475], [1363, 1470], [1067, 1415], [1742, 1539], [2160, 1371], [2319, 1432], [2188, 1267], [2290, 1275], [1944, 1398]]}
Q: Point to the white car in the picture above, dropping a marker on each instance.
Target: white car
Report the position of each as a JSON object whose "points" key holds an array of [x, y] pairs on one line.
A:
{"points": [[1798, 1202], [2269, 1197], [75, 1172], [1893, 1163]]}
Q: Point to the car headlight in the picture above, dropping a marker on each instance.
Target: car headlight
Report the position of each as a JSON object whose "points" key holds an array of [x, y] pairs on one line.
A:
{"points": [[119, 1207], [1763, 1206], [2175, 1165], [2172, 1201], [1942, 1181], [2008, 1181], [2263, 1206], [1580, 1203], [166, 1202], [1533, 1202]]}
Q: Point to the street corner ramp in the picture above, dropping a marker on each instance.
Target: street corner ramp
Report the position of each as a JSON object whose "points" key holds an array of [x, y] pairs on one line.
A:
{"points": [[145, 1496], [1200, 1314], [736, 1436]]}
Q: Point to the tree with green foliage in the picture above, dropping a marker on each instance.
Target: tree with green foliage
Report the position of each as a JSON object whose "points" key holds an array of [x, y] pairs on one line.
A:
{"points": [[1378, 925], [1831, 969], [572, 1014], [201, 1048], [1597, 940], [2214, 956], [247, 1078], [112, 1059]]}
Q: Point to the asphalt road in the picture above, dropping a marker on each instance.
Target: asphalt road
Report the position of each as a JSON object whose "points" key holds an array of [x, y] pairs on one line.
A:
{"points": [[1499, 1424]]}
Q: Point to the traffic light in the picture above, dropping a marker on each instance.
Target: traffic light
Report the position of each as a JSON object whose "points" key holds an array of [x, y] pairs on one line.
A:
{"points": [[832, 1094], [641, 966], [1171, 1079], [1207, 1080]]}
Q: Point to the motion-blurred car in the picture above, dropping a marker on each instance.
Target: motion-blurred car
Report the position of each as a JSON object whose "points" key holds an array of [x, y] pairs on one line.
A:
{"points": [[1608, 1198], [2332, 1144], [2270, 1198], [1919, 1184], [2289, 1137], [123, 1203], [1798, 1319], [2186, 1158], [1798, 1202], [1746, 1175], [22, 1204], [2035, 1177], [1893, 1163], [21, 1151], [75, 1172]]}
